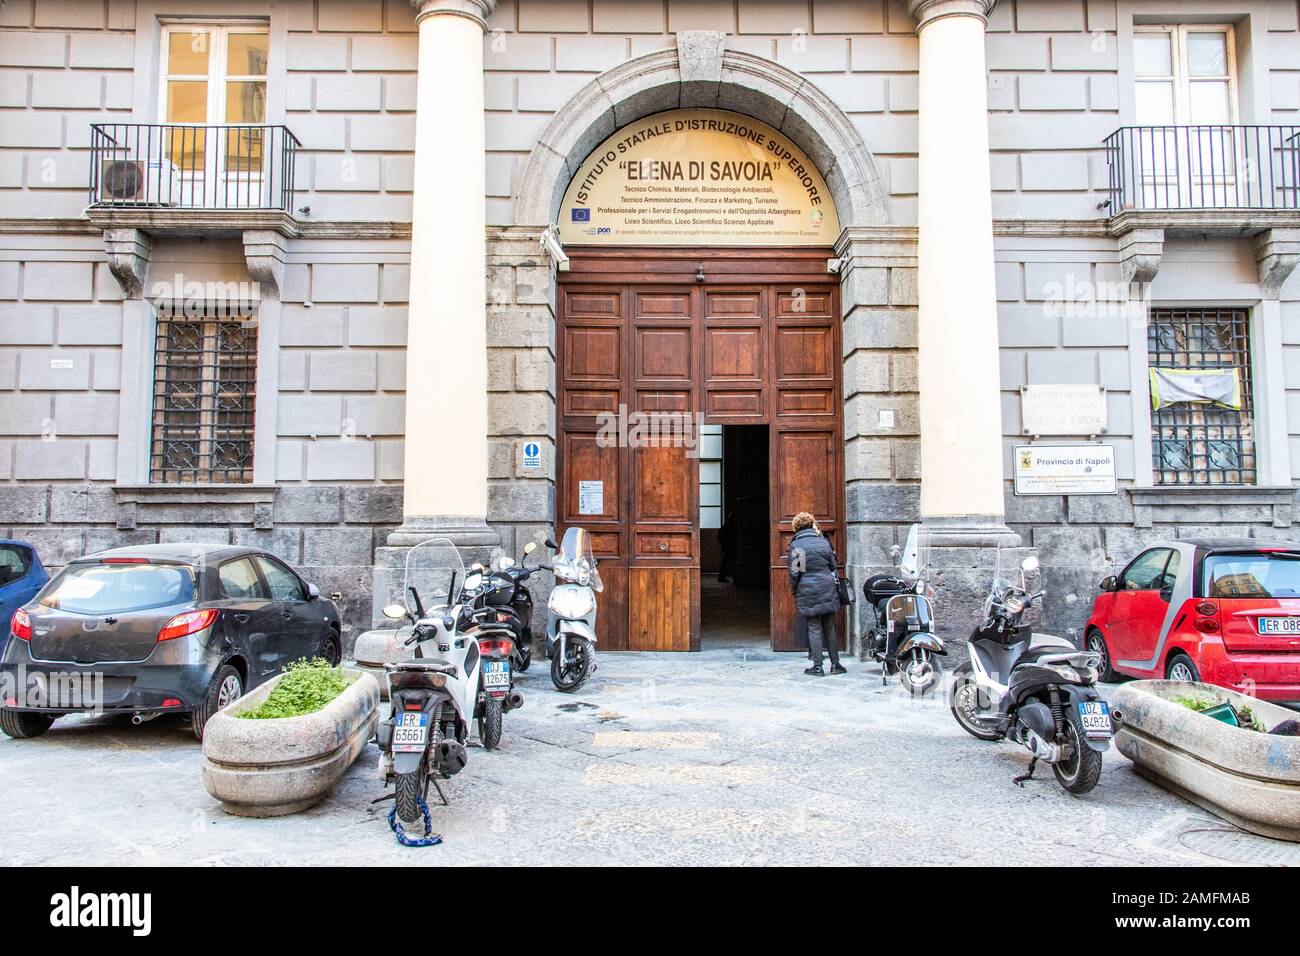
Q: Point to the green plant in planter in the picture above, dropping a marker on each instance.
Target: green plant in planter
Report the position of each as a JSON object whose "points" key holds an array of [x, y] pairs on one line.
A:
{"points": [[307, 686]]}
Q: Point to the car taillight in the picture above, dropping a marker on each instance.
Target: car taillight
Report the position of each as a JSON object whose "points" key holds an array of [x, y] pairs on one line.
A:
{"points": [[21, 625], [1206, 608], [1206, 625], [191, 622], [494, 646], [124, 561], [1207, 619]]}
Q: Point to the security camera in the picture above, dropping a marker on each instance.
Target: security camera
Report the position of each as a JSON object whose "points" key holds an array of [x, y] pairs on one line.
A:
{"points": [[551, 246]]}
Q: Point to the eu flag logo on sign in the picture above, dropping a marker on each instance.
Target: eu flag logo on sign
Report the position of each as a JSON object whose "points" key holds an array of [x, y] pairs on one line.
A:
{"points": [[580, 215]]}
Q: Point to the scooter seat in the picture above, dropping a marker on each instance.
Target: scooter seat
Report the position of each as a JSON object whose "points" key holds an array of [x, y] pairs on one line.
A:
{"points": [[1036, 654], [431, 667]]}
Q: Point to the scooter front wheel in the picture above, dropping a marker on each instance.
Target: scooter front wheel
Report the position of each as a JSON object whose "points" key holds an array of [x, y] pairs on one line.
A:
{"points": [[920, 674], [964, 702], [570, 670]]}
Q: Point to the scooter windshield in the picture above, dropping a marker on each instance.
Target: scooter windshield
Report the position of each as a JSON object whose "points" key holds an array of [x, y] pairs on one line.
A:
{"points": [[435, 570], [577, 560]]}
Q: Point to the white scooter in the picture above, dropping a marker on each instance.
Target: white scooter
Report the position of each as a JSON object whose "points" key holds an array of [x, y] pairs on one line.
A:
{"points": [[460, 672], [571, 611]]}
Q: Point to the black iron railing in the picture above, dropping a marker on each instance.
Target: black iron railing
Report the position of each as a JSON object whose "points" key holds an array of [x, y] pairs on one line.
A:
{"points": [[192, 167], [1203, 167]]}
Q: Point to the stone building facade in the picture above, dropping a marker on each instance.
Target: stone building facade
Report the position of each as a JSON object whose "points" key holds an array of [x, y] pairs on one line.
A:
{"points": [[416, 127]]}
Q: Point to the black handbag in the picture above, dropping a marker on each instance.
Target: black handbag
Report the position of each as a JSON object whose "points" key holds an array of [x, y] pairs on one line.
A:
{"points": [[845, 589], [842, 586]]}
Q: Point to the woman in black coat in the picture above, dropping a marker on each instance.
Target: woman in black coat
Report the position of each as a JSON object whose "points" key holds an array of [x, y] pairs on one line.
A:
{"points": [[814, 577]]}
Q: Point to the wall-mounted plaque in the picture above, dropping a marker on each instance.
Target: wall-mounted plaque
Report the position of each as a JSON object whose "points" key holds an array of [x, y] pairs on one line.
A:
{"points": [[591, 497], [698, 178], [1063, 409], [1065, 470]]}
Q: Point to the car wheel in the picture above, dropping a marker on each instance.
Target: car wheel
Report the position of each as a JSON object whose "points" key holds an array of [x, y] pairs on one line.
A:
{"points": [[226, 688], [22, 724], [1097, 643], [331, 650], [1181, 668]]}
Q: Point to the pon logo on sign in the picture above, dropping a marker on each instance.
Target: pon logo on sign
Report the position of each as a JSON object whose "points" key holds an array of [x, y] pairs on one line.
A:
{"points": [[532, 455]]}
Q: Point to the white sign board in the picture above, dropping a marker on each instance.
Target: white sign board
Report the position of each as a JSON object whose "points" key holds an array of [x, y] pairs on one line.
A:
{"points": [[532, 456], [591, 497], [1065, 470], [1063, 409]]}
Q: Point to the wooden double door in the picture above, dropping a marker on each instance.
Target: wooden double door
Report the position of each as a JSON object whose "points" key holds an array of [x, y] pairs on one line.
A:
{"points": [[738, 337]]}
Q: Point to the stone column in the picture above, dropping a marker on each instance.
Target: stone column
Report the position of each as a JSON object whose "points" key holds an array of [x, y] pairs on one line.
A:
{"points": [[446, 456], [958, 370]]}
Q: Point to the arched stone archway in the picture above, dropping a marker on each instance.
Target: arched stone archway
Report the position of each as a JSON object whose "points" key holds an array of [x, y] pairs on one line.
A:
{"points": [[700, 73], [875, 265]]}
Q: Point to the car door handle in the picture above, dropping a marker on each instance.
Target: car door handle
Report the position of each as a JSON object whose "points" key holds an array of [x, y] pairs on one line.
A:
{"points": [[241, 618]]}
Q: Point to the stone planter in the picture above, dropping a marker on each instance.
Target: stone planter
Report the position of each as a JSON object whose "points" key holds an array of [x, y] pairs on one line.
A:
{"points": [[269, 768], [376, 648], [1248, 778]]}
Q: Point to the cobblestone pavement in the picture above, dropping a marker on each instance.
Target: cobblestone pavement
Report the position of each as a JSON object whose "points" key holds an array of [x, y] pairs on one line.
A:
{"points": [[730, 756]]}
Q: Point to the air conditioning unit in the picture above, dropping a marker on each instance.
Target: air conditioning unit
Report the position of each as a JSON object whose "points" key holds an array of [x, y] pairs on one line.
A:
{"points": [[139, 182]]}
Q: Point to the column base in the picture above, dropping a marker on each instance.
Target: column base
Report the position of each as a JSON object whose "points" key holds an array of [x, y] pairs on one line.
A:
{"points": [[969, 531], [463, 531]]}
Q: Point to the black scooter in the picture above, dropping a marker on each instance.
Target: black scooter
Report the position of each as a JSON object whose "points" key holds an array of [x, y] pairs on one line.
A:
{"points": [[499, 596], [901, 634], [1038, 690]]}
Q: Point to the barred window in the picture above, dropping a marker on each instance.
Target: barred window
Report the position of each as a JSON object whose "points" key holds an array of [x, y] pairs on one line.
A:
{"points": [[205, 380], [1197, 443]]}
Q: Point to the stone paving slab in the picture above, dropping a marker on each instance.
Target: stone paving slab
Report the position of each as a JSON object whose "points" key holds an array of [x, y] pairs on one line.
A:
{"points": [[730, 756]]}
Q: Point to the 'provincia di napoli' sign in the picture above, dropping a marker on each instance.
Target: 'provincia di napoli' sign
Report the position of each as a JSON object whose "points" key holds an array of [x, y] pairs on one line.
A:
{"points": [[698, 177]]}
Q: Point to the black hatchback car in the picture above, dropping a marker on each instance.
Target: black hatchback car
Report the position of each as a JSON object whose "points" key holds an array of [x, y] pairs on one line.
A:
{"points": [[162, 628]]}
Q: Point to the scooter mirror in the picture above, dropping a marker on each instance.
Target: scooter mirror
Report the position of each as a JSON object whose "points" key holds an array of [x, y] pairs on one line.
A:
{"points": [[551, 544], [504, 562], [910, 561], [440, 592], [530, 547], [477, 566], [395, 612], [1029, 565]]}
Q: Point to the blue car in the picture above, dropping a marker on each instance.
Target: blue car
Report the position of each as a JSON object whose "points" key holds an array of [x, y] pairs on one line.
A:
{"points": [[21, 576]]}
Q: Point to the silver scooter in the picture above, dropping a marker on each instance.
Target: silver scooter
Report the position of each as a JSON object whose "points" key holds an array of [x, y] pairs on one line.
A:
{"points": [[571, 611]]}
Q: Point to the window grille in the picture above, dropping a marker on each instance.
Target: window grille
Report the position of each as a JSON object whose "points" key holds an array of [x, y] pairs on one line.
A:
{"points": [[205, 381], [1199, 444]]}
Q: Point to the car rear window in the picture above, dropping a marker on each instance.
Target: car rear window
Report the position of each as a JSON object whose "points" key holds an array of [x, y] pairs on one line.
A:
{"points": [[14, 562], [118, 588], [1260, 575]]}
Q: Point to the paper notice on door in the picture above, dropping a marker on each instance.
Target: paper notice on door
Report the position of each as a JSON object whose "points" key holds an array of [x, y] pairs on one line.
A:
{"points": [[591, 497]]}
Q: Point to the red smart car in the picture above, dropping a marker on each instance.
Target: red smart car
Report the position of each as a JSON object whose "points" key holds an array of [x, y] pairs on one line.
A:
{"points": [[1223, 611]]}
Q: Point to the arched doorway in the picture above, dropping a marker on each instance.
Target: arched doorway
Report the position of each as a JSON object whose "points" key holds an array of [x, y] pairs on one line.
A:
{"points": [[731, 323]]}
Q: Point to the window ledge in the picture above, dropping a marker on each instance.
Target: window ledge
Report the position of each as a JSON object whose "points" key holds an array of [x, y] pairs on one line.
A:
{"points": [[195, 504], [1212, 494]]}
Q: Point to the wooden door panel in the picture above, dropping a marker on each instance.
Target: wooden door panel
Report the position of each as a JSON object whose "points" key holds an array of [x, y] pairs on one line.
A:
{"points": [[805, 475], [611, 606], [665, 485], [804, 353], [586, 459], [659, 608]]}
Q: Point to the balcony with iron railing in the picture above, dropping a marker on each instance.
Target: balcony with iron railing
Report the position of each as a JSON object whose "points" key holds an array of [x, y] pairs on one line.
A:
{"points": [[1201, 169], [207, 178]]}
